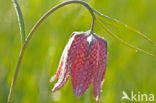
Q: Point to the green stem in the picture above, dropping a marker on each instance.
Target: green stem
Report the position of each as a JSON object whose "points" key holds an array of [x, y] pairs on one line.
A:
{"points": [[122, 41], [20, 20], [10, 97], [115, 22]]}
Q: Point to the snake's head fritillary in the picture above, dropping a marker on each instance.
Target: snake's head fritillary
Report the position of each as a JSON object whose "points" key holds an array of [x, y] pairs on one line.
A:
{"points": [[85, 59]]}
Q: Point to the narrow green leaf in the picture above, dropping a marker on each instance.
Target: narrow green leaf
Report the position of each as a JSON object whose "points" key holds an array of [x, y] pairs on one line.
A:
{"points": [[122, 41], [20, 20], [115, 22]]}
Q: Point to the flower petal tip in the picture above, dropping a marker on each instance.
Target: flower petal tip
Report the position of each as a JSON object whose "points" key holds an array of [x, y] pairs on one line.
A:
{"points": [[97, 98], [53, 78], [77, 93], [54, 89]]}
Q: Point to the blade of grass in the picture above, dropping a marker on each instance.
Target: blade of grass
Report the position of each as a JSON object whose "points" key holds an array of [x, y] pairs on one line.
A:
{"points": [[122, 41], [20, 21], [22, 32], [116, 22]]}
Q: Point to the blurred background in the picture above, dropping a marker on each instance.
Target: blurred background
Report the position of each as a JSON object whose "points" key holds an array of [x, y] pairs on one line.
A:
{"points": [[128, 70]]}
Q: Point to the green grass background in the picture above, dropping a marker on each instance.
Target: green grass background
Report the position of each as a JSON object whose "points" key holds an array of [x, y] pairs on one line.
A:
{"points": [[127, 69]]}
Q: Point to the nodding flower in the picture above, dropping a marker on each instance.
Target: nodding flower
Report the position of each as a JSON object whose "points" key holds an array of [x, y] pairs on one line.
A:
{"points": [[85, 59]]}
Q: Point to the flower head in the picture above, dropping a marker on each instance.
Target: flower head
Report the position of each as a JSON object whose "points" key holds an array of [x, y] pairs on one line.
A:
{"points": [[85, 59]]}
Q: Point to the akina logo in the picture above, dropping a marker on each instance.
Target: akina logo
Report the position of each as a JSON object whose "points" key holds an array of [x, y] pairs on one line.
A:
{"points": [[137, 96]]}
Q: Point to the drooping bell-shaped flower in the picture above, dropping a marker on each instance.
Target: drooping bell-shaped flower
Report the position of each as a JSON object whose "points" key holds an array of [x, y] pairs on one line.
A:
{"points": [[85, 59]]}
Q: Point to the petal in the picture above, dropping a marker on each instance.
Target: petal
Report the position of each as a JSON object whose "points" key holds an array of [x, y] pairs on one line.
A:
{"points": [[66, 61], [82, 71], [58, 71], [100, 72]]}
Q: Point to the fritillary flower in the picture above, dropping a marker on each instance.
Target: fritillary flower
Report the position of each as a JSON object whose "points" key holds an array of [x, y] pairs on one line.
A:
{"points": [[85, 59]]}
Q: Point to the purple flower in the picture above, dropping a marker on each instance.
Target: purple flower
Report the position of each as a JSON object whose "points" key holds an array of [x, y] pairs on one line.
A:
{"points": [[85, 59]]}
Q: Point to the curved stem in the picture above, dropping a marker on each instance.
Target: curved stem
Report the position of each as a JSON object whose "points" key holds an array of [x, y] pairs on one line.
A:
{"points": [[116, 22], [32, 32], [122, 41], [20, 20]]}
